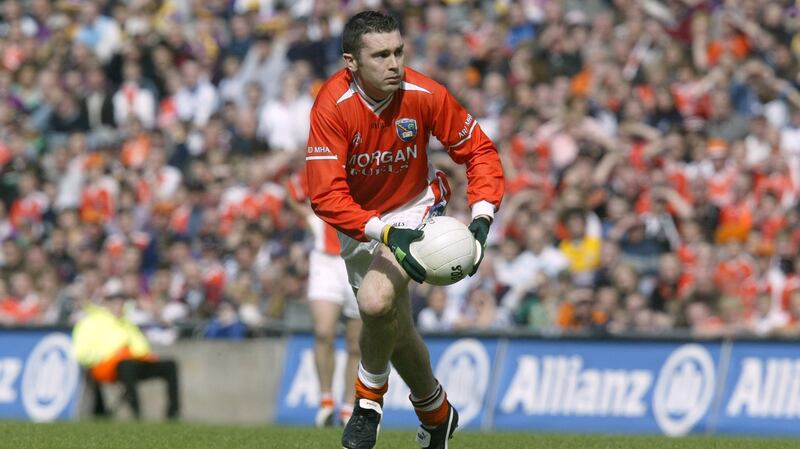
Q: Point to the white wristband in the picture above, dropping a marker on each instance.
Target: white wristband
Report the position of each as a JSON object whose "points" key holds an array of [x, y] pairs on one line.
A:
{"points": [[483, 207], [374, 228]]}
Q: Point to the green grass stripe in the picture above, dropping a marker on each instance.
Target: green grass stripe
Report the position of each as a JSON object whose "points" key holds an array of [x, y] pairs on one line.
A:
{"points": [[129, 435]]}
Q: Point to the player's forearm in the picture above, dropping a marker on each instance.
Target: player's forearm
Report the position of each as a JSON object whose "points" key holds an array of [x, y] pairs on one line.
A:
{"points": [[485, 183], [344, 214], [485, 178]]}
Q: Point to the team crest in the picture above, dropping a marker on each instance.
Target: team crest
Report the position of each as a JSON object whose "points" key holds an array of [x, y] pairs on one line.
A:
{"points": [[406, 129]]}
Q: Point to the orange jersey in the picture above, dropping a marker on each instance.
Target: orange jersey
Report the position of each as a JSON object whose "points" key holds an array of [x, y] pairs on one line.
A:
{"points": [[366, 158]]}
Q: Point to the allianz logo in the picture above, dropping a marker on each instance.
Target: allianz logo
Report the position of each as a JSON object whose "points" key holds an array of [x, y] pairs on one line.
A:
{"points": [[766, 388], [560, 385]]}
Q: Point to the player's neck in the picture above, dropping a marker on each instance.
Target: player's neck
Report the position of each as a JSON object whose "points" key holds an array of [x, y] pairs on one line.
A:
{"points": [[368, 92]]}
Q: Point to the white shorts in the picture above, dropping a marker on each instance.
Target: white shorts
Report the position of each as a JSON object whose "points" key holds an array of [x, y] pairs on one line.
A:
{"points": [[358, 255], [327, 281]]}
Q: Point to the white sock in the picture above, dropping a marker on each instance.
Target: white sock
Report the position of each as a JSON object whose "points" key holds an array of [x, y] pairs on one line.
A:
{"points": [[373, 380]]}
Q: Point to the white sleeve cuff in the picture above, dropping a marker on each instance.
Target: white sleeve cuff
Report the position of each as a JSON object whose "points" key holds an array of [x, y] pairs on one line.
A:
{"points": [[483, 207], [374, 227]]}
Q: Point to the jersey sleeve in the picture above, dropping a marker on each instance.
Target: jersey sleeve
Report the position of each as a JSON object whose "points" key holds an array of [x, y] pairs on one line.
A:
{"points": [[467, 144], [328, 191]]}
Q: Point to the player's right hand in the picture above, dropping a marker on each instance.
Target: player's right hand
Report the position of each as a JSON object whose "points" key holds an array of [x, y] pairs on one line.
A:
{"points": [[480, 230], [398, 240]]}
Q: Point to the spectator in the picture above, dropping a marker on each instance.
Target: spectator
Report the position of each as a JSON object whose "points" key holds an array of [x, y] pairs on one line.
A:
{"points": [[581, 246], [577, 314], [132, 99], [98, 32], [766, 319], [97, 105], [197, 99], [434, 317], [302, 48], [539, 262], [226, 324], [284, 121], [481, 312], [241, 37], [670, 286], [264, 64]]}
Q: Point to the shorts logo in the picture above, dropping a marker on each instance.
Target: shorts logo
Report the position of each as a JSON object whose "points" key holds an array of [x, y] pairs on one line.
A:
{"points": [[406, 129]]}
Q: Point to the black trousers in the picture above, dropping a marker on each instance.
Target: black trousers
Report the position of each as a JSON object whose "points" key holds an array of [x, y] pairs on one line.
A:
{"points": [[130, 372]]}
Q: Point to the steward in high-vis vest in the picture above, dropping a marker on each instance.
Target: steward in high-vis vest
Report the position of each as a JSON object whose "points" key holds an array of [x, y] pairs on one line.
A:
{"points": [[113, 349]]}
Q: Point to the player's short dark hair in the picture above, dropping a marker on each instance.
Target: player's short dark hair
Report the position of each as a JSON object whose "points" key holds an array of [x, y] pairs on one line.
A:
{"points": [[363, 23]]}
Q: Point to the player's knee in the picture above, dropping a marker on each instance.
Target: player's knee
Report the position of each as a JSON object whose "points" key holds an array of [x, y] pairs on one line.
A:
{"points": [[324, 335], [375, 304]]}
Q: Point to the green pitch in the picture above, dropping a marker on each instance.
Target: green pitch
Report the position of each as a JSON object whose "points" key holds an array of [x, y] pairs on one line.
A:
{"points": [[112, 435]]}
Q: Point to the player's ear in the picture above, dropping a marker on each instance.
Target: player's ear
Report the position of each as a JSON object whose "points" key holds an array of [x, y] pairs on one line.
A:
{"points": [[350, 61]]}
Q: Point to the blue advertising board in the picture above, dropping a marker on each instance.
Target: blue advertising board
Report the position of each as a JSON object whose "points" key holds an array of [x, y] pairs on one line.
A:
{"points": [[610, 386], [762, 390], [38, 376], [463, 366], [606, 386]]}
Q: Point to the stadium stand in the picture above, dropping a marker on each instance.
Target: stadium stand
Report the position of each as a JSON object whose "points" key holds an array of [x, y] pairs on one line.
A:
{"points": [[652, 152]]}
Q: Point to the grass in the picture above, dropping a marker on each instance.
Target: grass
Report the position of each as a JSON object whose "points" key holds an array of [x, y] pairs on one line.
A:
{"points": [[127, 435]]}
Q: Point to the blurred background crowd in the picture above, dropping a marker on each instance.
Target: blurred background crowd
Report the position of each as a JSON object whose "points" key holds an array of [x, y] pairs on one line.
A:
{"points": [[651, 148]]}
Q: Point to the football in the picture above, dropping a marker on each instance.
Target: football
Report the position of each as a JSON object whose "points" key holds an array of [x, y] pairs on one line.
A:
{"points": [[447, 250]]}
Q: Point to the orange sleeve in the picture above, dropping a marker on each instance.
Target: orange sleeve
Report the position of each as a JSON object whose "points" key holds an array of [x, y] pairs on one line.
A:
{"points": [[467, 144], [328, 190]]}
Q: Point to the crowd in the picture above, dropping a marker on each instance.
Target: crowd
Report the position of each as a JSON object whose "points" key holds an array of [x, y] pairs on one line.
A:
{"points": [[651, 150]]}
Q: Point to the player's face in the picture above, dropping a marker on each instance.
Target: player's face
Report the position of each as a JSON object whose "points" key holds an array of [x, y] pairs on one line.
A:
{"points": [[379, 65]]}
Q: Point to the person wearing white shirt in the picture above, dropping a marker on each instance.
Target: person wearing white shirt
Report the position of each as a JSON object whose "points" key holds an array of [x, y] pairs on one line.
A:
{"points": [[523, 272], [132, 100], [264, 64], [284, 121], [538, 256], [164, 179], [436, 316], [759, 142], [98, 32], [196, 101]]}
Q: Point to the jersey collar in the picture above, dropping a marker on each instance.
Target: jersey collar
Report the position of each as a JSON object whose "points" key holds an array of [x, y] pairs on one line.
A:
{"points": [[375, 106]]}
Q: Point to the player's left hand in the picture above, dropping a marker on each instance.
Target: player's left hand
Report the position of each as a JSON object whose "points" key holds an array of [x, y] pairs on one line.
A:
{"points": [[480, 229]]}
